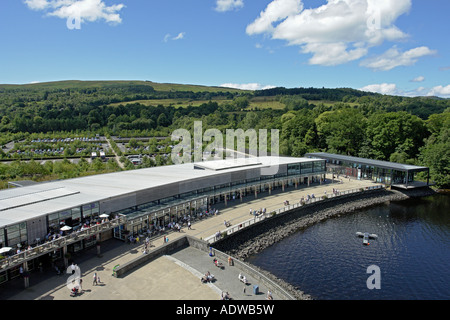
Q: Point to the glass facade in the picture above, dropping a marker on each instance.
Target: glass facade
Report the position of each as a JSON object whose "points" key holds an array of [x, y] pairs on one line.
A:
{"points": [[91, 210], [73, 217], [306, 168], [2, 237], [16, 234]]}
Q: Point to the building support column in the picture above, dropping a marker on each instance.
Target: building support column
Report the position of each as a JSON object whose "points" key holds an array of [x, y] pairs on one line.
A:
{"points": [[26, 277], [407, 178], [66, 261]]}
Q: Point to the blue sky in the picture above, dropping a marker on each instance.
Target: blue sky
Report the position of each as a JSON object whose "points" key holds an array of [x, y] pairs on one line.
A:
{"points": [[389, 46]]}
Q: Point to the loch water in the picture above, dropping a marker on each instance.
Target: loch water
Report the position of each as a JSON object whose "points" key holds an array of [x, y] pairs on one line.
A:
{"points": [[329, 262]]}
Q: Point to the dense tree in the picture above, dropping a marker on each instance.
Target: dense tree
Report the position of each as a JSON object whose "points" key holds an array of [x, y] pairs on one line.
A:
{"points": [[392, 132], [436, 152], [341, 131]]}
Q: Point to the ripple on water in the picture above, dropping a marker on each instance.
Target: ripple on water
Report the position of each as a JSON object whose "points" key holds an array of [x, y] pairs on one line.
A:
{"points": [[328, 261]]}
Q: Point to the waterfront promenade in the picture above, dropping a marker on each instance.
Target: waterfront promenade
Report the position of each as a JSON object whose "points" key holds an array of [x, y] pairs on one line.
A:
{"points": [[174, 277]]}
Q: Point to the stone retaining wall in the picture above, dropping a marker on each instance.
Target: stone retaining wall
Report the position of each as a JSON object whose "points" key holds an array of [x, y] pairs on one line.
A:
{"points": [[165, 249]]}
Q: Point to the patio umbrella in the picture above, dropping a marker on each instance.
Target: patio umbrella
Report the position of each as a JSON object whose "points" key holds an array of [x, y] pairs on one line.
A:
{"points": [[65, 228], [5, 249], [104, 215]]}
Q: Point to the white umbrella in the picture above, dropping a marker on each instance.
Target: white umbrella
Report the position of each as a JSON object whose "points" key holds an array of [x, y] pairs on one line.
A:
{"points": [[5, 249], [65, 228], [104, 215]]}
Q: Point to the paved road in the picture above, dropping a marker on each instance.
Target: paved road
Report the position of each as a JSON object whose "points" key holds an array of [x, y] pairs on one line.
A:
{"points": [[174, 277]]}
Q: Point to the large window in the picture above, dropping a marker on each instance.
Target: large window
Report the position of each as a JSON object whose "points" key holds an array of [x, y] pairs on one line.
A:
{"points": [[53, 220], [306, 167], [167, 200], [16, 233], [70, 217], [147, 205], [91, 210], [76, 216], [294, 169], [319, 166], [2, 237]]}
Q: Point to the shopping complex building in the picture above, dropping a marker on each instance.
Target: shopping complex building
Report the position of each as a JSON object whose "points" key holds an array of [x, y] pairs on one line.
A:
{"points": [[389, 173], [44, 223]]}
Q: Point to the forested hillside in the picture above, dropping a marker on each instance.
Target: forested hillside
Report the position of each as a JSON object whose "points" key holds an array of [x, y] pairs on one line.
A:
{"points": [[345, 121]]}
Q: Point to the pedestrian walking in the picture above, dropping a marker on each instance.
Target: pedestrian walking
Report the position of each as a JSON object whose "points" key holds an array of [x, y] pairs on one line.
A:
{"points": [[96, 280], [189, 225]]}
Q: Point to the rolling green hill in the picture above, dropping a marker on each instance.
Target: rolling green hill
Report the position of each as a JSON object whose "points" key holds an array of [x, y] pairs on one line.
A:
{"points": [[77, 84]]}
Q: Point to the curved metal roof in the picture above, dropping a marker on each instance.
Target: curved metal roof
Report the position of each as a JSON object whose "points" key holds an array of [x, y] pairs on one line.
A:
{"points": [[365, 161]]}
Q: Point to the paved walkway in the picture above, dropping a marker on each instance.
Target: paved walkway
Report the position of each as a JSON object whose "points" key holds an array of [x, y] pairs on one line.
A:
{"points": [[175, 277]]}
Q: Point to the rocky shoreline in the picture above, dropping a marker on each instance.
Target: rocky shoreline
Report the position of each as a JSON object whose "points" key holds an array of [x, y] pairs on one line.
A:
{"points": [[271, 231]]}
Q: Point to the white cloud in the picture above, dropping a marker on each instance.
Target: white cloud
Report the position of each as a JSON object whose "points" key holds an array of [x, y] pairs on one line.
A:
{"points": [[228, 5], [440, 91], [334, 33], [392, 89], [86, 10], [331, 54], [383, 88], [37, 4], [246, 86], [394, 58], [276, 10], [179, 36], [168, 37], [418, 79]]}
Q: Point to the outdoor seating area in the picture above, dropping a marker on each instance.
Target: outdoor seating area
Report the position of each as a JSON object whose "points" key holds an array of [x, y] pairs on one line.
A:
{"points": [[54, 241]]}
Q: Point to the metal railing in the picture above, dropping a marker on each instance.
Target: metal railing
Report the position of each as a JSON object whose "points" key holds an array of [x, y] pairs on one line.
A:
{"points": [[49, 246], [270, 213], [272, 285]]}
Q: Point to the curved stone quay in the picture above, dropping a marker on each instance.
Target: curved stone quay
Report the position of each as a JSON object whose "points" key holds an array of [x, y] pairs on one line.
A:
{"points": [[176, 275]]}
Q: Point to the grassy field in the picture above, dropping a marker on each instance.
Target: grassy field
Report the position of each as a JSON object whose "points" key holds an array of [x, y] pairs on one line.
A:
{"points": [[266, 103], [255, 102], [171, 102]]}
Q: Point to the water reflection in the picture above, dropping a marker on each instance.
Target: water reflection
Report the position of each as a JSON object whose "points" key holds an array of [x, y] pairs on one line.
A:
{"points": [[329, 261]]}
